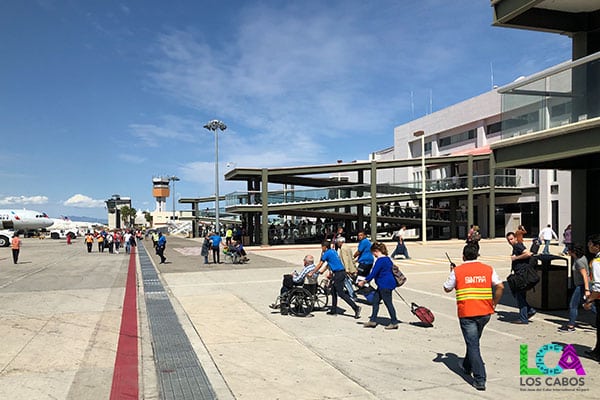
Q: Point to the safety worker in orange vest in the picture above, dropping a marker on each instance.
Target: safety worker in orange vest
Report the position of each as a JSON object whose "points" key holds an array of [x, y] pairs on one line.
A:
{"points": [[478, 291], [15, 245], [89, 241]]}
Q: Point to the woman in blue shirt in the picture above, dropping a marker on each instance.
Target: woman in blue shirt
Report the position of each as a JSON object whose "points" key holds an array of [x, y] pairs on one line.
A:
{"points": [[384, 278]]}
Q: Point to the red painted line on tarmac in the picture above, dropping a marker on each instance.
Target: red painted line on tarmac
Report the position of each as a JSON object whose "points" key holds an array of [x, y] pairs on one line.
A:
{"points": [[125, 376]]}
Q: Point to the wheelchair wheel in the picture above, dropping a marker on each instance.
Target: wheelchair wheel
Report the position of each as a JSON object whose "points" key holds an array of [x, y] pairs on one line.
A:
{"points": [[321, 299], [300, 302]]}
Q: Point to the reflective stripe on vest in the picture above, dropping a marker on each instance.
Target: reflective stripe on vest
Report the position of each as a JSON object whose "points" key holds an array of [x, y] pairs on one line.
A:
{"points": [[474, 289], [474, 293]]}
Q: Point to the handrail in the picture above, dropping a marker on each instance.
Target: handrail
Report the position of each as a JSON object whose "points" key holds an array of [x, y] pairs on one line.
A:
{"points": [[550, 71], [363, 190]]}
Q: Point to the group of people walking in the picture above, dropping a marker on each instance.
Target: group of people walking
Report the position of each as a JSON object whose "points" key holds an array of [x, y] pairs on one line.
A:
{"points": [[370, 262], [112, 241], [477, 285]]}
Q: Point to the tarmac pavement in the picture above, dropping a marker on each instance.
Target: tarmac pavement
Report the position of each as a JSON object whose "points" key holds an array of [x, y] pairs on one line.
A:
{"points": [[60, 313]]}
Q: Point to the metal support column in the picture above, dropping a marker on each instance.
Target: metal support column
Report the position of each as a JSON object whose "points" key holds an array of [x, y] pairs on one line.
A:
{"points": [[360, 224], [470, 192], [264, 198], [492, 202], [195, 220], [373, 200]]}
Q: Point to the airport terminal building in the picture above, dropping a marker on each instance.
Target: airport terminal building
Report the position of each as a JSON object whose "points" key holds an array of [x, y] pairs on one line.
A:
{"points": [[470, 127]]}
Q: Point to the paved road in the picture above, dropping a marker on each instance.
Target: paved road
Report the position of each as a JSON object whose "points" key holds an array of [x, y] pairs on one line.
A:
{"points": [[60, 315]]}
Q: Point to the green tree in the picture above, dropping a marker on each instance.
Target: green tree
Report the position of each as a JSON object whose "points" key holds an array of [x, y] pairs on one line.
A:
{"points": [[148, 217], [128, 215]]}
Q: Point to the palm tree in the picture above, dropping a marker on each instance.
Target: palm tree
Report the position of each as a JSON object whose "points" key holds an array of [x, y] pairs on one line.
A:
{"points": [[128, 215], [148, 217]]}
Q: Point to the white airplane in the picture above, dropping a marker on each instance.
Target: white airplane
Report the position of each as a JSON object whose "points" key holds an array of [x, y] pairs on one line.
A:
{"points": [[14, 219], [64, 226], [23, 219]]}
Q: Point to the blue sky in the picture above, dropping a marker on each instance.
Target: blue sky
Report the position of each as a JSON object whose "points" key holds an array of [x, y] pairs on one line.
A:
{"points": [[97, 97]]}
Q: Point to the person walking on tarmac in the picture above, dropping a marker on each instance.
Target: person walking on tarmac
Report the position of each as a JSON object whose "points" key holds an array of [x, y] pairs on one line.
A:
{"points": [[15, 245], [334, 263], [386, 283], [478, 291], [519, 261], [100, 240], [363, 253], [89, 241], [160, 247]]}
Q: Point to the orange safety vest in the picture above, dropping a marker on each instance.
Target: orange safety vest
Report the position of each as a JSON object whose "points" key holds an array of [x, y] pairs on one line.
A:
{"points": [[474, 289], [89, 239], [15, 243]]}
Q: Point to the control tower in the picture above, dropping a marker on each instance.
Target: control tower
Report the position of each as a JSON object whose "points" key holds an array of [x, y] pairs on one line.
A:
{"points": [[160, 191]]}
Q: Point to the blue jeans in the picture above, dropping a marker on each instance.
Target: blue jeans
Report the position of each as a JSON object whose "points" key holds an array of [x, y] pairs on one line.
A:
{"points": [[337, 289], [525, 310], [472, 328], [386, 296], [574, 304], [349, 288], [546, 247], [576, 301], [400, 249]]}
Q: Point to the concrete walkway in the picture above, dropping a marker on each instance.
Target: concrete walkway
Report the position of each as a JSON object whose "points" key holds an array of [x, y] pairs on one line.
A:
{"points": [[60, 317], [261, 354]]}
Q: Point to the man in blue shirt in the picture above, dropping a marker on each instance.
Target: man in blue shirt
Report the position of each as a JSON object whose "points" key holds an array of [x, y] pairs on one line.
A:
{"points": [[160, 247], [330, 256], [365, 258], [215, 241]]}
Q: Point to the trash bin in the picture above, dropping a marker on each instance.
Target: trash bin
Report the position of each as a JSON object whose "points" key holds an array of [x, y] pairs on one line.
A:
{"points": [[552, 291]]}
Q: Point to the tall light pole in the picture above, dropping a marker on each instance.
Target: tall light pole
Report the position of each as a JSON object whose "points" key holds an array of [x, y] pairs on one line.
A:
{"points": [[421, 134], [215, 126], [173, 179]]}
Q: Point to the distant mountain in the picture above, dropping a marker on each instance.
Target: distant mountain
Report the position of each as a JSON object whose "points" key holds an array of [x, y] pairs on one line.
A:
{"points": [[88, 219]]}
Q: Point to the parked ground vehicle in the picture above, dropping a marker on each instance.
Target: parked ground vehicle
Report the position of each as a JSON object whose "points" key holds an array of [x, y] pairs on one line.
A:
{"points": [[5, 236], [63, 233]]}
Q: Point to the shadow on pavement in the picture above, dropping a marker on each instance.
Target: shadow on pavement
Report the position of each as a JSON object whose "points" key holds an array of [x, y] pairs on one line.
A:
{"points": [[453, 362]]}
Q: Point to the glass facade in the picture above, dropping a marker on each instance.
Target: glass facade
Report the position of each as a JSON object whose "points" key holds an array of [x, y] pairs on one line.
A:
{"points": [[569, 95]]}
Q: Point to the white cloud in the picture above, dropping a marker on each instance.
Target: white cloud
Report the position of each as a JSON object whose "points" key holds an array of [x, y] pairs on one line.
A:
{"points": [[317, 82], [132, 158], [82, 201], [291, 80], [171, 128], [11, 200]]}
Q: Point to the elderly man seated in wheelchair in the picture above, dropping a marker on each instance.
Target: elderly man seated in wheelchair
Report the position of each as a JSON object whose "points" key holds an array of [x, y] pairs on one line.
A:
{"points": [[298, 291], [235, 252]]}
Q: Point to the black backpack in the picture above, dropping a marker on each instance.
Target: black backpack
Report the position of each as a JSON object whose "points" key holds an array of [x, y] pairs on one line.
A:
{"points": [[524, 278]]}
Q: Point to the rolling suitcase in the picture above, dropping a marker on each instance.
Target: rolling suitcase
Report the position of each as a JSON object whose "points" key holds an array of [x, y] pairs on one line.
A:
{"points": [[424, 314]]}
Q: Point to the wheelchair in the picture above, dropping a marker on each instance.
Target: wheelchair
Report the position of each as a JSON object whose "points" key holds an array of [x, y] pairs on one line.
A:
{"points": [[301, 300], [233, 257]]}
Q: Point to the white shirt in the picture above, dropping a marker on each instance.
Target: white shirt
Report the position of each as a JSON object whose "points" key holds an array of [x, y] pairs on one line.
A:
{"points": [[595, 286], [451, 281], [547, 234]]}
